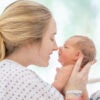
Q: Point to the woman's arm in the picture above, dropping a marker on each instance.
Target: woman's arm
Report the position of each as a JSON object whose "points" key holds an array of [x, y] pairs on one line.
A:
{"points": [[85, 95], [78, 79]]}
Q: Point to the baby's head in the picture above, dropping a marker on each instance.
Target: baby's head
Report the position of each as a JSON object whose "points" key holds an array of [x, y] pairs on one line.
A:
{"points": [[69, 53]]}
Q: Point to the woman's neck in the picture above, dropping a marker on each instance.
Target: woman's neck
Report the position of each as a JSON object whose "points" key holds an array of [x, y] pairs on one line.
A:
{"points": [[26, 56]]}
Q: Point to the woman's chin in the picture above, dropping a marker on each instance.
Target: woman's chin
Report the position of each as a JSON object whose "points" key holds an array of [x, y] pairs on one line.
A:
{"points": [[45, 64]]}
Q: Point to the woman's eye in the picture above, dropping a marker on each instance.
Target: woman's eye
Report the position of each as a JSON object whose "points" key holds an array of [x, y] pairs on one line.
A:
{"points": [[52, 39]]}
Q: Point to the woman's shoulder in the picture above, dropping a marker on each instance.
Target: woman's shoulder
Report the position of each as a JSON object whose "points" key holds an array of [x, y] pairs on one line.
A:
{"points": [[27, 81], [13, 67]]}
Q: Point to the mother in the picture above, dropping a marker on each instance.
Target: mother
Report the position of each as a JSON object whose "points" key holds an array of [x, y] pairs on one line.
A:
{"points": [[27, 31]]}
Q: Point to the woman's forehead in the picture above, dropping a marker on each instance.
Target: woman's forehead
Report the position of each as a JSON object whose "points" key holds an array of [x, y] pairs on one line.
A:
{"points": [[51, 29]]}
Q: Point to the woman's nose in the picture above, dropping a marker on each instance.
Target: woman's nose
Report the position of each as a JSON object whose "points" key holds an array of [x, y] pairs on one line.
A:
{"points": [[55, 47]]}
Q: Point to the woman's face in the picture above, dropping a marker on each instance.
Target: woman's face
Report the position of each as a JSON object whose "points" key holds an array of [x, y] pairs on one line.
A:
{"points": [[48, 43], [68, 54]]}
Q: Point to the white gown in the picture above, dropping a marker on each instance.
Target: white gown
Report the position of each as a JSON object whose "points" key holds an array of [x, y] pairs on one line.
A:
{"points": [[19, 83]]}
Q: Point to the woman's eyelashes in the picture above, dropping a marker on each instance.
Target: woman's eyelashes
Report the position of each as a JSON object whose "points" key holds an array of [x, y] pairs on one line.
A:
{"points": [[52, 39]]}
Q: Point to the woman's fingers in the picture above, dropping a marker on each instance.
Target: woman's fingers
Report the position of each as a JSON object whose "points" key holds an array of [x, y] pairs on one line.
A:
{"points": [[87, 67]]}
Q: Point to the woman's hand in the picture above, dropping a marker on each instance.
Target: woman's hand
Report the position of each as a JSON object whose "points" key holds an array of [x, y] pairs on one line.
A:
{"points": [[78, 78]]}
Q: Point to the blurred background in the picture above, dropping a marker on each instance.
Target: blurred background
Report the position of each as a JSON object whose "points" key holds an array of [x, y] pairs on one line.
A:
{"points": [[73, 17]]}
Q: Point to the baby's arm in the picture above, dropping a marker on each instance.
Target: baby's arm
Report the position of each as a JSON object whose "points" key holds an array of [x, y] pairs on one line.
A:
{"points": [[62, 77]]}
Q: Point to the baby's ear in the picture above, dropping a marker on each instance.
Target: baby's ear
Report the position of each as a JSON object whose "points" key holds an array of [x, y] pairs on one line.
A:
{"points": [[77, 55]]}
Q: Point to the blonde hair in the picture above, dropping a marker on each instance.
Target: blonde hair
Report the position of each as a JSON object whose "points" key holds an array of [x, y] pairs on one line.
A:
{"points": [[87, 47], [22, 21]]}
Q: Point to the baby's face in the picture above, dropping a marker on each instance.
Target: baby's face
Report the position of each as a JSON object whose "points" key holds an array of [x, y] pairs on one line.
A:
{"points": [[68, 54]]}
